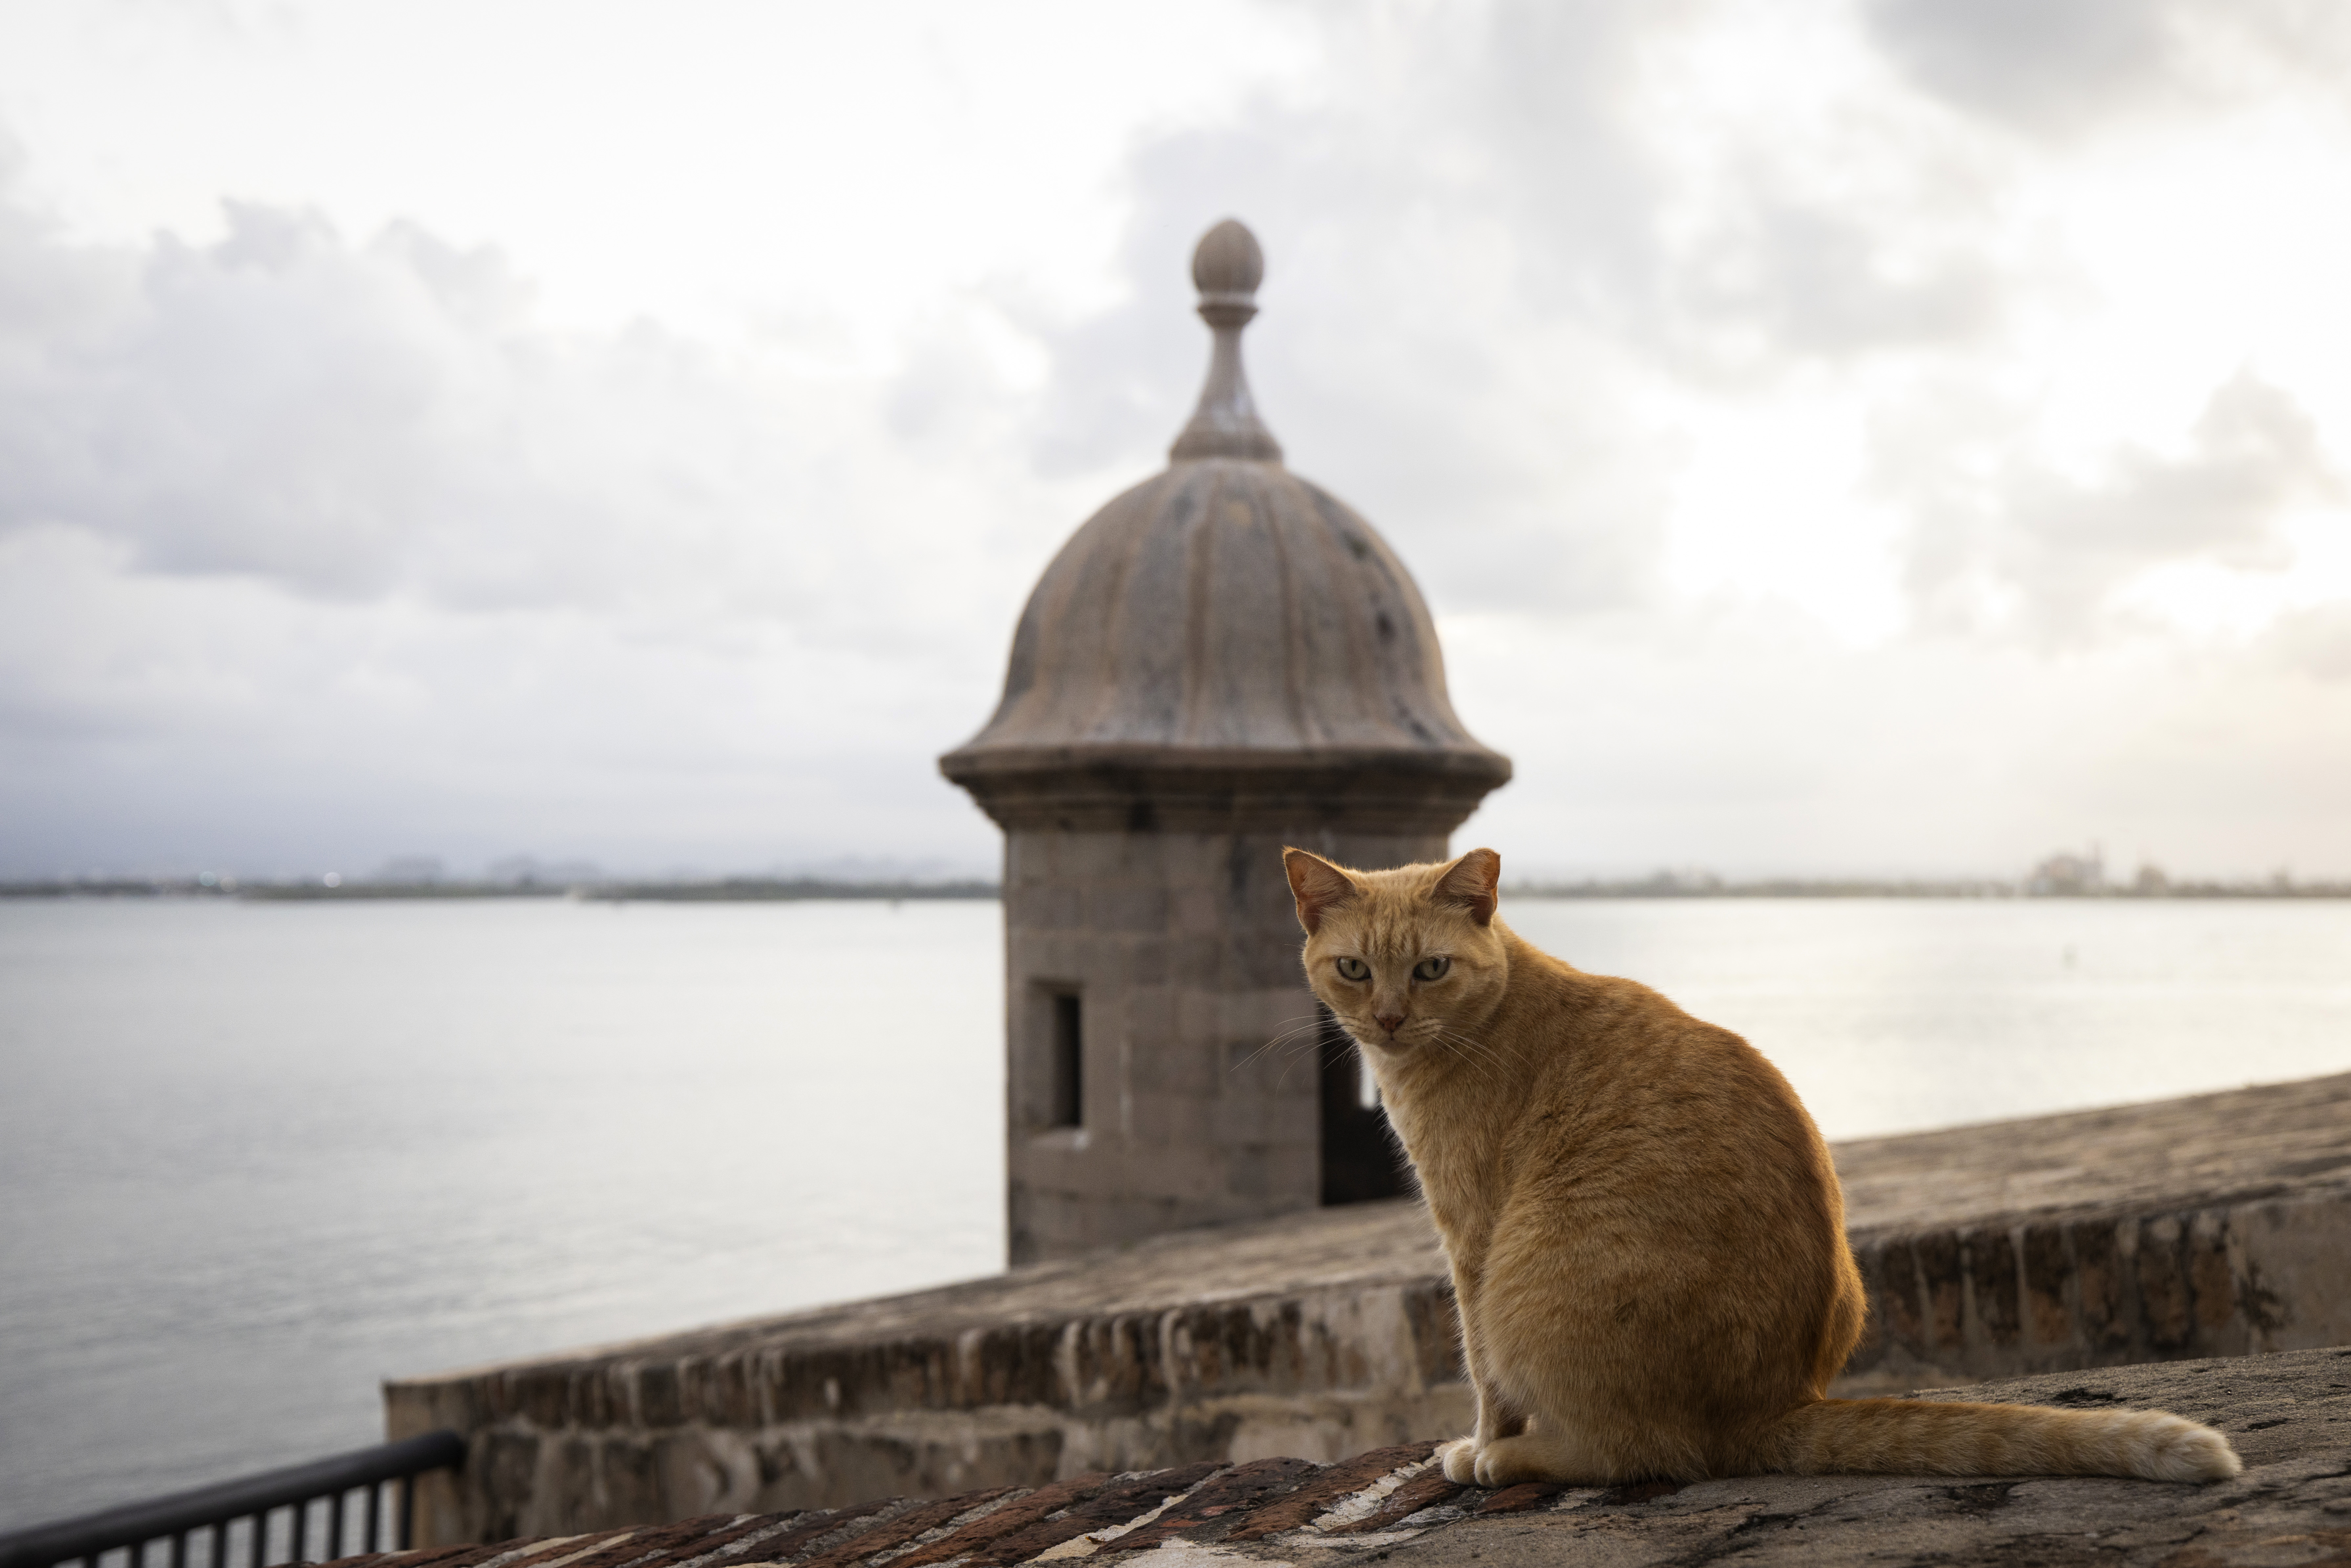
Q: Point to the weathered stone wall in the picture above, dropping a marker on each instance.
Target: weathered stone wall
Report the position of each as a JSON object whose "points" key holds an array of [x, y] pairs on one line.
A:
{"points": [[2288, 1416], [2000, 1300], [2220, 1225], [1321, 1335], [2214, 1225], [1182, 948], [1325, 1375]]}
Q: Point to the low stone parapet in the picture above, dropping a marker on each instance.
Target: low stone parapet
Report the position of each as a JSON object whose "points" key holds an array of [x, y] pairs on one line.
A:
{"points": [[2215, 1225], [2288, 1416]]}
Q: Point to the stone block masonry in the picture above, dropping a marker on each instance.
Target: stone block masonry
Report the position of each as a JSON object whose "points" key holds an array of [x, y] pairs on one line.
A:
{"points": [[1177, 952], [2288, 1416], [2218, 1225]]}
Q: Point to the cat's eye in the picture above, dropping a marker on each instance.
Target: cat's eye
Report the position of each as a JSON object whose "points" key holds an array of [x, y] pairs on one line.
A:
{"points": [[1355, 969], [1431, 968]]}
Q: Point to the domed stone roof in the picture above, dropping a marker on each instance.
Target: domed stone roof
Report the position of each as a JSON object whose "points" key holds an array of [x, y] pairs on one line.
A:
{"points": [[1225, 643]]}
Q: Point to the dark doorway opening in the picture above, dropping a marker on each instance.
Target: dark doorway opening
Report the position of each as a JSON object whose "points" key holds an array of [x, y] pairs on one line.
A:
{"points": [[1360, 1160]]}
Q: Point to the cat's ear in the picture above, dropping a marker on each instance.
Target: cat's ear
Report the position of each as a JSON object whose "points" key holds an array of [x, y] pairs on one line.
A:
{"points": [[1317, 884], [1473, 883]]}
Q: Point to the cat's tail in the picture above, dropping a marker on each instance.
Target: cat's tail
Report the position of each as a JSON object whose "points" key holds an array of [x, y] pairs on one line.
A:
{"points": [[1922, 1437]]}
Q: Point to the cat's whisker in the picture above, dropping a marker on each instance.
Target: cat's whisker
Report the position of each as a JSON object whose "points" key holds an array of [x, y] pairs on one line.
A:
{"points": [[1473, 1042], [1478, 1056], [1294, 1057], [1288, 1043], [1306, 1031], [1301, 1050], [1471, 1045], [1488, 1062]]}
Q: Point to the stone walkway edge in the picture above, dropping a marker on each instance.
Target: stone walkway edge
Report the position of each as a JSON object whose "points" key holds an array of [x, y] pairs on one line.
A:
{"points": [[2289, 1414]]}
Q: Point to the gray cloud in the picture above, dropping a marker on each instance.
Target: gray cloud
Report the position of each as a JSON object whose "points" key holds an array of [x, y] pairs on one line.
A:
{"points": [[2044, 63], [2001, 536], [318, 552], [358, 421], [1781, 278], [2062, 66], [267, 404]]}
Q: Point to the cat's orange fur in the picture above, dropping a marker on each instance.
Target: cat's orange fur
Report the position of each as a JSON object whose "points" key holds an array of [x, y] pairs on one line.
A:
{"points": [[1647, 1233]]}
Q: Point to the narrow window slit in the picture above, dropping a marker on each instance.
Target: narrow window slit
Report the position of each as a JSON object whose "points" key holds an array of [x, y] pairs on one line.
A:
{"points": [[1069, 1060]]}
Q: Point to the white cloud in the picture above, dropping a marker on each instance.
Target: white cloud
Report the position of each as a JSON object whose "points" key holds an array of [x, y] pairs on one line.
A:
{"points": [[349, 422], [308, 541], [1819, 450], [2001, 536]]}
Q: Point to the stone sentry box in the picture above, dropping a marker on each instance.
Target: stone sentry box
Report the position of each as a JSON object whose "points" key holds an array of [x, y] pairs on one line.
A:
{"points": [[1223, 660]]}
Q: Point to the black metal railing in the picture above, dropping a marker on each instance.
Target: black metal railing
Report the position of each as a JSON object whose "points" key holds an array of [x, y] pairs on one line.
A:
{"points": [[260, 1519]]}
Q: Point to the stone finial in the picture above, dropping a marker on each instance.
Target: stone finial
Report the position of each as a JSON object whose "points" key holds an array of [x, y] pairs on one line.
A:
{"points": [[1227, 268]]}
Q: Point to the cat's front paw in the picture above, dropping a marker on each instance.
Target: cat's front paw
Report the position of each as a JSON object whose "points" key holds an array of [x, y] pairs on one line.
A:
{"points": [[1507, 1461], [1459, 1458]]}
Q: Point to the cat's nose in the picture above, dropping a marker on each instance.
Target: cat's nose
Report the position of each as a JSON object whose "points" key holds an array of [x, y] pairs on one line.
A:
{"points": [[1388, 1021]]}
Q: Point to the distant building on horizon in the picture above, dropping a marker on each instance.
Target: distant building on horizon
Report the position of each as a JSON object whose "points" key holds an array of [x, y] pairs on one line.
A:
{"points": [[2068, 875]]}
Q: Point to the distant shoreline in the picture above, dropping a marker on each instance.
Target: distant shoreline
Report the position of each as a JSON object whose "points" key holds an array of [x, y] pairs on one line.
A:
{"points": [[778, 890], [1789, 887], [729, 890]]}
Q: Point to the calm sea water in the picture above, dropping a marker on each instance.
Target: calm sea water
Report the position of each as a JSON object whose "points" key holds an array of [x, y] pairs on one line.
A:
{"points": [[255, 1158]]}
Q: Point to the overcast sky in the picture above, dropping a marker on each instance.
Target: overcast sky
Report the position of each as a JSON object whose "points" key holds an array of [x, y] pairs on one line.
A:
{"points": [[1899, 437]]}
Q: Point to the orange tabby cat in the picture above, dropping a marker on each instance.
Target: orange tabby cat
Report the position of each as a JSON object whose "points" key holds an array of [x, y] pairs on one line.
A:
{"points": [[1646, 1235]]}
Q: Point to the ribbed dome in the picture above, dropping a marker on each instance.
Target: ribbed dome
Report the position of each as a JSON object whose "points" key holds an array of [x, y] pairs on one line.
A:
{"points": [[1226, 606], [1228, 617]]}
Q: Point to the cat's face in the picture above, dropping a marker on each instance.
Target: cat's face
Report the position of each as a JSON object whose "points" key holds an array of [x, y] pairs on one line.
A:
{"points": [[1402, 958]]}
